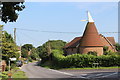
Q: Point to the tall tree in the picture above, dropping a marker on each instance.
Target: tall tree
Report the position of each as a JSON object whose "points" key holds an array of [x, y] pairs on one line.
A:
{"points": [[8, 47], [46, 48], [10, 11], [25, 49], [28, 48]]}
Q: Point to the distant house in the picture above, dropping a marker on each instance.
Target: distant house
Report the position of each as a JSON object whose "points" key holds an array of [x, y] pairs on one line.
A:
{"points": [[90, 41]]}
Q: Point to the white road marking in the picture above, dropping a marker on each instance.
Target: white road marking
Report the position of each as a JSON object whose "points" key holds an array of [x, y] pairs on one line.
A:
{"points": [[61, 72], [94, 75], [83, 74], [110, 74]]}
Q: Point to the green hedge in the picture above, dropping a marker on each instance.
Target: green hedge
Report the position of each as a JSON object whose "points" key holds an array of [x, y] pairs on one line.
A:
{"points": [[78, 60]]}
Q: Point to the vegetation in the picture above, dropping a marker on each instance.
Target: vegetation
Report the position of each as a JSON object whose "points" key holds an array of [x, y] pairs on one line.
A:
{"points": [[16, 74], [10, 11], [49, 47], [117, 46], [92, 53], [8, 47], [114, 67], [82, 61], [19, 74], [29, 52]]}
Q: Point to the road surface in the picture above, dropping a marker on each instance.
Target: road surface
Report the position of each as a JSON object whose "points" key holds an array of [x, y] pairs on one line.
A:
{"points": [[34, 71]]}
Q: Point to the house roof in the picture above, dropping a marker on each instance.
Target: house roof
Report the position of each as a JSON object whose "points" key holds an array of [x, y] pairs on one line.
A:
{"points": [[111, 39], [73, 43], [91, 36], [76, 41]]}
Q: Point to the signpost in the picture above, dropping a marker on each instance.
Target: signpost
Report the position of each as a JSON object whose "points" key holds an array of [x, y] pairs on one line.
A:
{"points": [[11, 59]]}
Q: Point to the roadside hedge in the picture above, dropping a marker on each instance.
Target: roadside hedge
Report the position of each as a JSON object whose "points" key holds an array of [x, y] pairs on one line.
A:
{"points": [[84, 60]]}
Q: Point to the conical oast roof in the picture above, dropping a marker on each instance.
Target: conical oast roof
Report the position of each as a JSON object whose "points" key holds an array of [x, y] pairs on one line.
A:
{"points": [[90, 36]]}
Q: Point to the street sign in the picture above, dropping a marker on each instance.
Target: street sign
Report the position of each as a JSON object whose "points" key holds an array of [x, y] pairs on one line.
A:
{"points": [[13, 59]]}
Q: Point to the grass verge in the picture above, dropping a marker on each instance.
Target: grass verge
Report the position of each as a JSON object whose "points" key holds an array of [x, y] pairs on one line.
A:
{"points": [[16, 74], [49, 65], [114, 67]]}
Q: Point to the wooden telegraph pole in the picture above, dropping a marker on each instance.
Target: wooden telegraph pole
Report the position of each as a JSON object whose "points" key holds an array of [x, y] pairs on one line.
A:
{"points": [[15, 41], [15, 35]]}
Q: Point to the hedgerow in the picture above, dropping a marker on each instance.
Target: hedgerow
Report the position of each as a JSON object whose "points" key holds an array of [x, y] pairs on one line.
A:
{"points": [[84, 60]]}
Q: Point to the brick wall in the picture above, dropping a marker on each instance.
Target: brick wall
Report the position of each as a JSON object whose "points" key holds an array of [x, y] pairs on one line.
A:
{"points": [[85, 50]]}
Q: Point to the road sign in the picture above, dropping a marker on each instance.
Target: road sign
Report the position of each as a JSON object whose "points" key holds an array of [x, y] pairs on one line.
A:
{"points": [[13, 59]]}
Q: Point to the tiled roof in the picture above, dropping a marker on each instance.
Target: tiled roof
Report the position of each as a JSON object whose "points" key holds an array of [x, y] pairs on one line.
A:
{"points": [[111, 39], [91, 36], [74, 43]]}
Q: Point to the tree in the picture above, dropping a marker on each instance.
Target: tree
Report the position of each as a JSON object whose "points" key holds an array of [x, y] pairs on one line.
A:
{"points": [[10, 11], [117, 45], [28, 48], [34, 54], [8, 46], [25, 49], [45, 50]]}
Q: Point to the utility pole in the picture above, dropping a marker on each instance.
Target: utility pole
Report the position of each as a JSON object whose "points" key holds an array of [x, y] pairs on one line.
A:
{"points": [[15, 35], [49, 50], [20, 51], [15, 41]]}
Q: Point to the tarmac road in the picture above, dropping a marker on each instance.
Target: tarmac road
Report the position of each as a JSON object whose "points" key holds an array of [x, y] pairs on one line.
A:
{"points": [[34, 71]]}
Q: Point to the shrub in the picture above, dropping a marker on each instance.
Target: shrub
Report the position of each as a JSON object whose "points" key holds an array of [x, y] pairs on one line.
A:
{"points": [[85, 60], [92, 53], [105, 48]]}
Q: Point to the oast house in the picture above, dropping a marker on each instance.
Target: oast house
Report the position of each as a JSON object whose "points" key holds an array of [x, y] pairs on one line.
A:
{"points": [[90, 41]]}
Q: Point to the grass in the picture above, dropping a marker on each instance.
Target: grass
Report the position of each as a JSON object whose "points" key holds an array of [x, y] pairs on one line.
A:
{"points": [[16, 74], [19, 74], [49, 65], [114, 67]]}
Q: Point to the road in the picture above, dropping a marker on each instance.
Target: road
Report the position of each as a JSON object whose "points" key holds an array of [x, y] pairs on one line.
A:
{"points": [[34, 71]]}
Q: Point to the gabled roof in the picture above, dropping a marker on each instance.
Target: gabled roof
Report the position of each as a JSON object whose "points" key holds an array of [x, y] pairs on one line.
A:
{"points": [[90, 36], [74, 43], [111, 39]]}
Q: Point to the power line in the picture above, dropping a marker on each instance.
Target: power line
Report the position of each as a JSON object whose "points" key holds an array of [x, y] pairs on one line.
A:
{"points": [[64, 32]]}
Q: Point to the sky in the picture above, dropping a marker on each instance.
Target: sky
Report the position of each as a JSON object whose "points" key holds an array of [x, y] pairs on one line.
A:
{"points": [[39, 21]]}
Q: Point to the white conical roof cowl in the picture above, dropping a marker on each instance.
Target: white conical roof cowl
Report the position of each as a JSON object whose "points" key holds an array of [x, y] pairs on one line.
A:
{"points": [[89, 17]]}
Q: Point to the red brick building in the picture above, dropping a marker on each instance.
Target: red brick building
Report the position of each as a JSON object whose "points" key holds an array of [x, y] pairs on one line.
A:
{"points": [[90, 41]]}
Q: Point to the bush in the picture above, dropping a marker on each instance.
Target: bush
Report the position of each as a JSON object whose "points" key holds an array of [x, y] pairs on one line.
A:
{"points": [[92, 53], [85, 60], [105, 48]]}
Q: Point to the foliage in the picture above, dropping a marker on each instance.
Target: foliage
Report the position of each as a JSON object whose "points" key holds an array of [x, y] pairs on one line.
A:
{"points": [[105, 48], [51, 45], [3, 75], [25, 49], [109, 52], [57, 51], [54, 44], [29, 48], [9, 48], [10, 11], [34, 54], [92, 53], [117, 45], [85, 60]]}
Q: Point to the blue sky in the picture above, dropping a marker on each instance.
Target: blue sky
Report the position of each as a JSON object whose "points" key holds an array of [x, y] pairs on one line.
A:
{"points": [[62, 17]]}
